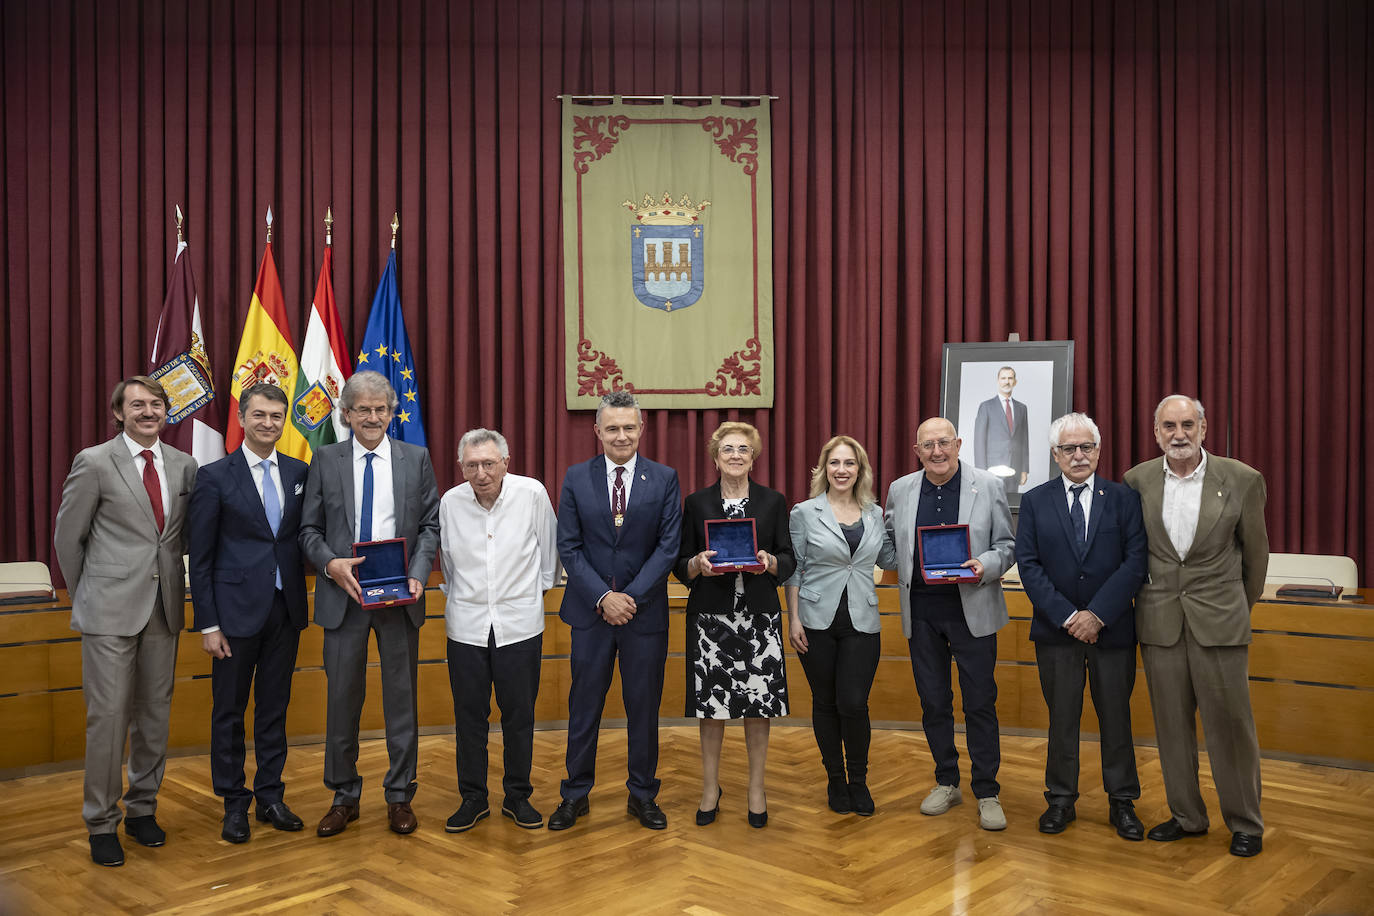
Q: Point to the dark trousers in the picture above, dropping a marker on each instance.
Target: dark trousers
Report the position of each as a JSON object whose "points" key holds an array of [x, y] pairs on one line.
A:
{"points": [[345, 666], [1110, 674], [513, 671], [265, 663], [840, 663], [593, 659], [933, 644]]}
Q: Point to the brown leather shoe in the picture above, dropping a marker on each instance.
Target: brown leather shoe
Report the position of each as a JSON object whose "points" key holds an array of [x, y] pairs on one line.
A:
{"points": [[401, 817], [338, 817]]}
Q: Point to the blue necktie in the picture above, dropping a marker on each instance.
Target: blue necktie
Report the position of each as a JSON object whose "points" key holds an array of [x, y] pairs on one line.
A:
{"points": [[271, 504], [1076, 518], [365, 519]]}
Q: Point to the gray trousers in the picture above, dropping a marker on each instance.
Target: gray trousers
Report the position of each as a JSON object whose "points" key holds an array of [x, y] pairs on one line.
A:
{"points": [[127, 685], [1186, 679], [345, 666], [1110, 674]]}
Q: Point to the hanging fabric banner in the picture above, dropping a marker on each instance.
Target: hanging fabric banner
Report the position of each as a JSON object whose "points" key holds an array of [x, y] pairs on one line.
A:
{"points": [[668, 256]]}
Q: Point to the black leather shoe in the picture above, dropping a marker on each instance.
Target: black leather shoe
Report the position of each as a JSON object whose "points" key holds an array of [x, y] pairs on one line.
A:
{"points": [[1127, 825], [707, 817], [1246, 844], [758, 820], [522, 812], [1056, 818], [1171, 830], [279, 816], [647, 810], [145, 830], [860, 801], [105, 849], [468, 814], [837, 794], [568, 812], [235, 828]]}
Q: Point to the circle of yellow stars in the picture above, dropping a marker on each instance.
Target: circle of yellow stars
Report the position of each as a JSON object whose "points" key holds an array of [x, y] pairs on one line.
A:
{"points": [[408, 374]]}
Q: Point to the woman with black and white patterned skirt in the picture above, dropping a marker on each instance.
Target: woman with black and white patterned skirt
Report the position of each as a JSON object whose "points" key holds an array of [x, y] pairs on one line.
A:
{"points": [[735, 665]]}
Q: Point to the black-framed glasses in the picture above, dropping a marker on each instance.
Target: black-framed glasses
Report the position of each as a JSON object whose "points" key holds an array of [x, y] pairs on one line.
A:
{"points": [[1087, 448]]}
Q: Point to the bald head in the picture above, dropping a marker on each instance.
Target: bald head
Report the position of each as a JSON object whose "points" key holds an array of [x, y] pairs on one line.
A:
{"points": [[937, 445]]}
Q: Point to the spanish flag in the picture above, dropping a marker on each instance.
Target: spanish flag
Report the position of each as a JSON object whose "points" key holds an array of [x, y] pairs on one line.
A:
{"points": [[266, 354]]}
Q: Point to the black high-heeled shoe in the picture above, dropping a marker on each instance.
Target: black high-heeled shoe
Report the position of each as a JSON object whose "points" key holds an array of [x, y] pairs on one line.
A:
{"points": [[707, 817], [758, 820]]}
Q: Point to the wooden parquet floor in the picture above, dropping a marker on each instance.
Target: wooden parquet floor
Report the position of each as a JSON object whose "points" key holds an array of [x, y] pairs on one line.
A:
{"points": [[1318, 856]]}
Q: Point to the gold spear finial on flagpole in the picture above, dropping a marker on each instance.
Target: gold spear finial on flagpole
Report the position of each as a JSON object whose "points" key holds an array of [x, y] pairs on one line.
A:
{"points": [[329, 225], [269, 224], [395, 224], [180, 219]]}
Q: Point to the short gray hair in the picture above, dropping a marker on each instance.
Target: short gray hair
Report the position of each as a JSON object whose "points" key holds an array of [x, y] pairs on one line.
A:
{"points": [[475, 437], [1069, 421], [1197, 405], [619, 398], [364, 383]]}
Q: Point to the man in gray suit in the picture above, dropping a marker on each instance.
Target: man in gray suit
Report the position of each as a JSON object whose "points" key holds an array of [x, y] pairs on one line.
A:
{"points": [[370, 488], [1001, 439], [959, 621], [119, 539], [1209, 551]]}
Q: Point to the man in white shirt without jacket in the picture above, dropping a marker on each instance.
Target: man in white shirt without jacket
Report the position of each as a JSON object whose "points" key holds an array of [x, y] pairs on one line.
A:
{"points": [[499, 550]]}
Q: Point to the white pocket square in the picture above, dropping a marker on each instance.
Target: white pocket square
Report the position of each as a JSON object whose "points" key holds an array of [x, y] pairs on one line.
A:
{"points": [[299, 488]]}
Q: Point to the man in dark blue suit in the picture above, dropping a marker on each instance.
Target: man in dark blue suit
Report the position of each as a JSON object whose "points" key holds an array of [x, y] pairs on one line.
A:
{"points": [[1081, 551], [248, 588], [619, 521]]}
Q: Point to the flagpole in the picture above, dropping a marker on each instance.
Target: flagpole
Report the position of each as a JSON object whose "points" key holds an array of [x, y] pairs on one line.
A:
{"points": [[180, 238], [395, 224], [328, 225], [269, 224]]}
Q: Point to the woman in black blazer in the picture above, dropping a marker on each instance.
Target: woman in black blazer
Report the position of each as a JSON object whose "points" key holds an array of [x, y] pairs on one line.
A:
{"points": [[735, 665]]}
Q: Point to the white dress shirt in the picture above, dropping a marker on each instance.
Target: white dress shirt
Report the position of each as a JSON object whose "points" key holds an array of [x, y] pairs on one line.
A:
{"points": [[159, 465], [383, 494], [628, 479], [1182, 502], [1085, 499], [497, 563]]}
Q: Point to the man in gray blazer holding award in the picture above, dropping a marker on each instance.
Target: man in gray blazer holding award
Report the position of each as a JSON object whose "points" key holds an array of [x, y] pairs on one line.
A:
{"points": [[960, 621], [1209, 551], [119, 539], [370, 488]]}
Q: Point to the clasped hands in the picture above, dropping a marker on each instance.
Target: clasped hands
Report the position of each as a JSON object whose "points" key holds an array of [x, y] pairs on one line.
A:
{"points": [[1084, 627], [340, 571]]}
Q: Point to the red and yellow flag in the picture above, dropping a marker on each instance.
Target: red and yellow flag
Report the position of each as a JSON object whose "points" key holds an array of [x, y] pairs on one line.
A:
{"points": [[266, 354]]}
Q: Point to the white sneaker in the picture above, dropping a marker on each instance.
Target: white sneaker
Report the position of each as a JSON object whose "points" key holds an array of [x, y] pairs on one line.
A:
{"points": [[990, 816], [941, 799]]}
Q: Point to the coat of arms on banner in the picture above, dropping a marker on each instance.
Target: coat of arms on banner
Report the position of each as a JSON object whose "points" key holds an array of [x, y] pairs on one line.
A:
{"points": [[667, 251], [186, 379], [681, 316], [316, 403], [262, 367]]}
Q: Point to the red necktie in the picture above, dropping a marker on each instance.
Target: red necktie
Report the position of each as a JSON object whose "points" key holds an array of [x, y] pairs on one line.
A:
{"points": [[1007, 404], [618, 495], [152, 485]]}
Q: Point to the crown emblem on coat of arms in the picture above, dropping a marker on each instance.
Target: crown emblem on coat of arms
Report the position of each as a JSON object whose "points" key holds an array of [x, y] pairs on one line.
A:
{"points": [[665, 212]]}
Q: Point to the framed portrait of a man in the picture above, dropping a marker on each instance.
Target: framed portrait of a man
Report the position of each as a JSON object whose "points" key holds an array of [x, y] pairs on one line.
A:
{"points": [[1003, 397]]}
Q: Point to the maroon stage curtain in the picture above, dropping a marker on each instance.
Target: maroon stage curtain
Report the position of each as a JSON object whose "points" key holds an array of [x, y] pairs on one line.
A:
{"points": [[1183, 188]]}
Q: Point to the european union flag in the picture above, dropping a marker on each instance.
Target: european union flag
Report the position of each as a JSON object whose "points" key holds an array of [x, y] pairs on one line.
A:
{"points": [[386, 349]]}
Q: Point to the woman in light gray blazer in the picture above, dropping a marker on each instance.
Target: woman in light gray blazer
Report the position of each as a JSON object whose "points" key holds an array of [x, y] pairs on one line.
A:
{"points": [[838, 536]]}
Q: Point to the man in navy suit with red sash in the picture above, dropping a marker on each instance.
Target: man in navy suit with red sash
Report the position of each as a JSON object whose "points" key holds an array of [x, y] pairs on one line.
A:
{"points": [[619, 522], [248, 587], [1081, 551]]}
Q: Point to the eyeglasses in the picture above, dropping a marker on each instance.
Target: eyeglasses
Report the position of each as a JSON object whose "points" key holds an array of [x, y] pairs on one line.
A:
{"points": [[1087, 448], [472, 467], [370, 411], [742, 450], [929, 444]]}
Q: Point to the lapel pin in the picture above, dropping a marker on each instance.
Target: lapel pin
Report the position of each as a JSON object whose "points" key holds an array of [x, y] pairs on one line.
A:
{"points": [[1101, 492], [1218, 494], [643, 477]]}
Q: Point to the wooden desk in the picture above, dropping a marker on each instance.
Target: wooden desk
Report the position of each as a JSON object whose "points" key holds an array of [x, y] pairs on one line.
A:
{"points": [[1311, 680]]}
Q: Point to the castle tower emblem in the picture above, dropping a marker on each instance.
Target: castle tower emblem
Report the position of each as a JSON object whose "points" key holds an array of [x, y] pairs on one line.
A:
{"points": [[667, 251]]}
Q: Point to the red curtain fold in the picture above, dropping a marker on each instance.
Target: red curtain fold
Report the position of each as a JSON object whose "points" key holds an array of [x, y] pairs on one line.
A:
{"points": [[1182, 188]]}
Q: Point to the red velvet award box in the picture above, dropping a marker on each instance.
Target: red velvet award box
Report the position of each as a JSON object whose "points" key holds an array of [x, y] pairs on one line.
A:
{"points": [[735, 542], [943, 549], [382, 574]]}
